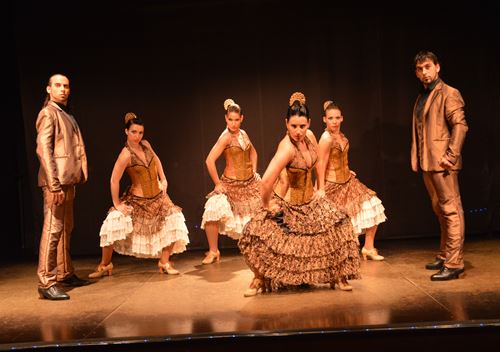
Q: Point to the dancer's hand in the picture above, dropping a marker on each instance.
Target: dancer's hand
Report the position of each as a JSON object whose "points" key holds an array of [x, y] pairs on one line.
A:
{"points": [[219, 188], [318, 194], [352, 173], [124, 209], [445, 163], [58, 197], [163, 186]]}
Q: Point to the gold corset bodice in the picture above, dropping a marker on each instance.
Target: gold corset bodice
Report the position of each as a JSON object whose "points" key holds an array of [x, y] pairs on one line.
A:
{"points": [[295, 183], [238, 157], [337, 169], [144, 175]]}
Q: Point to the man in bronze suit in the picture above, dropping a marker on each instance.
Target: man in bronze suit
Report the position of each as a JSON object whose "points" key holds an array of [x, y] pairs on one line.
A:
{"points": [[63, 164], [439, 130]]}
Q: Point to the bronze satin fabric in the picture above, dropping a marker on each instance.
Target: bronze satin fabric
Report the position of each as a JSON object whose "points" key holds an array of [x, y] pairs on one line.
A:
{"points": [[54, 261], [447, 205]]}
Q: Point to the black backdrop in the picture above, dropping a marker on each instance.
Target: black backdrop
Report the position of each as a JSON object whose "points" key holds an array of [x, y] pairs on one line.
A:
{"points": [[175, 62]]}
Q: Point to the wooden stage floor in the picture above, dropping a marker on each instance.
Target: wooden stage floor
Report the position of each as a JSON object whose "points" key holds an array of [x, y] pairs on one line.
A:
{"points": [[138, 304]]}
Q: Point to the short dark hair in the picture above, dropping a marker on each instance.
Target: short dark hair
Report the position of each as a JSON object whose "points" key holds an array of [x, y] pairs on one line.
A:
{"points": [[424, 55]]}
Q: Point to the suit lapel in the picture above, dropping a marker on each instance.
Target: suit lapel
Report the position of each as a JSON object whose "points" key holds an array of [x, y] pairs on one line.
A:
{"points": [[434, 93]]}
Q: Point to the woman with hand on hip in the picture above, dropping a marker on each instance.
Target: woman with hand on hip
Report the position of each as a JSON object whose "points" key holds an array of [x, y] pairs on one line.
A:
{"points": [[144, 222], [341, 185], [236, 196]]}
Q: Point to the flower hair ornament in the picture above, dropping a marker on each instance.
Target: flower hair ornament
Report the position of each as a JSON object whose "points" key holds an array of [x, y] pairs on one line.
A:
{"points": [[129, 116], [297, 96], [326, 104], [230, 102]]}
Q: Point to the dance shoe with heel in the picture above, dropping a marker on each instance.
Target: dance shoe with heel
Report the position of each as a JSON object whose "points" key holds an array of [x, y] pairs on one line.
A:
{"points": [[102, 270], [167, 268], [256, 287], [371, 254], [342, 285], [211, 257]]}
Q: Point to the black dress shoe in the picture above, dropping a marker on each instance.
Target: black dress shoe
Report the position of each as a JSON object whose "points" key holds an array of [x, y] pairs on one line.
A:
{"points": [[54, 293], [74, 281], [437, 264], [447, 274]]}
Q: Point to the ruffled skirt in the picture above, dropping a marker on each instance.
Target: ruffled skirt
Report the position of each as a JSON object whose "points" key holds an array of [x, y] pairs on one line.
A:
{"points": [[312, 243], [155, 223], [233, 209], [359, 202]]}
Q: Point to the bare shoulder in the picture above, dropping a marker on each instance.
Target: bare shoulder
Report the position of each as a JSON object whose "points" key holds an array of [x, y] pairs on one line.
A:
{"points": [[124, 156], [224, 138], [311, 136], [325, 136], [285, 146]]}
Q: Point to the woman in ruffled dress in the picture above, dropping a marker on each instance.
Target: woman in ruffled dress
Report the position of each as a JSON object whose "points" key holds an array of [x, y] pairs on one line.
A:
{"points": [[144, 222], [341, 185], [236, 196], [298, 238]]}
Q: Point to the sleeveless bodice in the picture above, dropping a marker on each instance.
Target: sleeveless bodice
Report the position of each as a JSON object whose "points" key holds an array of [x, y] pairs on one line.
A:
{"points": [[337, 168], [144, 174], [296, 181], [237, 154]]}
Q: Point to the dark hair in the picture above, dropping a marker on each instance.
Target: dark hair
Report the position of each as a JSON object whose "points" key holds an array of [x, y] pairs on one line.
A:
{"points": [[132, 119], [49, 83], [424, 55], [297, 109]]}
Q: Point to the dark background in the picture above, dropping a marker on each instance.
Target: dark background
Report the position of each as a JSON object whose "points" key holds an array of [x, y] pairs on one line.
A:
{"points": [[175, 62]]}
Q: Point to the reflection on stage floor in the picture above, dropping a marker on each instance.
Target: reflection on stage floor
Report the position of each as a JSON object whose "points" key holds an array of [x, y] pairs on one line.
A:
{"points": [[207, 300]]}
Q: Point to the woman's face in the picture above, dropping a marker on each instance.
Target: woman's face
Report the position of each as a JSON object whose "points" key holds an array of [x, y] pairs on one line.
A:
{"points": [[233, 121], [297, 127], [135, 133], [333, 119]]}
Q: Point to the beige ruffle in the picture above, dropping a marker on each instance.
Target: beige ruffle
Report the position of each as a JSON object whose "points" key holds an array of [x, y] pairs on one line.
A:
{"points": [[359, 202], [117, 230], [233, 209], [155, 223], [313, 244]]}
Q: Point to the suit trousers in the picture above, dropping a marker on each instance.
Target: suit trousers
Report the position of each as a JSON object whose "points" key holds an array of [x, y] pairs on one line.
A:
{"points": [[54, 261], [447, 205]]}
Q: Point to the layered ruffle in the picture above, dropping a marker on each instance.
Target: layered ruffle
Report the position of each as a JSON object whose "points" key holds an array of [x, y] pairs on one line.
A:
{"points": [[154, 224], [361, 203], [307, 244], [233, 209]]}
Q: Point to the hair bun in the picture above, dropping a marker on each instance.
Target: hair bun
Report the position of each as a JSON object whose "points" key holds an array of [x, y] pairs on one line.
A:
{"points": [[327, 103], [297, 96], [228, 103], [129, 116]]}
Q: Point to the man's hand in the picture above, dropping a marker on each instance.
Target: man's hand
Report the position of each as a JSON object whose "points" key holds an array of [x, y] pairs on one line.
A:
{"points": [[58, 197], [445, 164]]}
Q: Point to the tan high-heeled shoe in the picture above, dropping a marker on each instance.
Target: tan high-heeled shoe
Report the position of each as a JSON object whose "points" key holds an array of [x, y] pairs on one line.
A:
{"points": [[256, 286], [167, 268], [371, 254], [102, 270], [342, 284], [211, 257]]}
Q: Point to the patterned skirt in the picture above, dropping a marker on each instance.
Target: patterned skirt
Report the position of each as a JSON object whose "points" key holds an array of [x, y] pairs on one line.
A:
{"points": [[359, 202], [155, 223], [233, 209], [312, 243]]}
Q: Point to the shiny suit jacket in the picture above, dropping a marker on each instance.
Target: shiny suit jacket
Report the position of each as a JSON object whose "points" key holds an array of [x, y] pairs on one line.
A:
{"points": [[443, 131], [60, 149]]}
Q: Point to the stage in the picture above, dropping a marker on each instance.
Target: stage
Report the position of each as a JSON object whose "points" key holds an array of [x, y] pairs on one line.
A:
{"points": [[138, 309]]}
